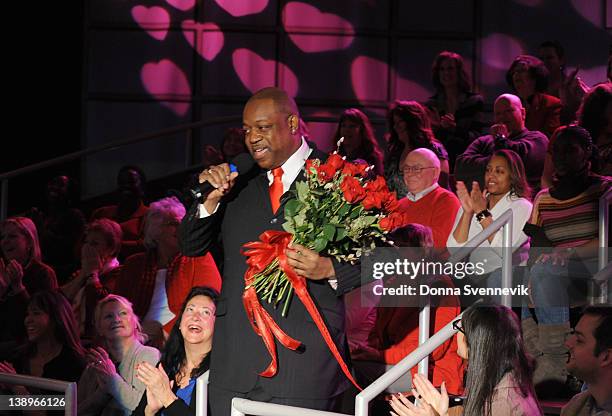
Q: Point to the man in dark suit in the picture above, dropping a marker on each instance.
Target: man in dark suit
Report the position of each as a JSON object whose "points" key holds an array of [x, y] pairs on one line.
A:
{"points": [[240, 209]]}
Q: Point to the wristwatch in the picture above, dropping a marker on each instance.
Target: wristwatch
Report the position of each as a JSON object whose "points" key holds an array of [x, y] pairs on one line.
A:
{"points": [[483, 214]]}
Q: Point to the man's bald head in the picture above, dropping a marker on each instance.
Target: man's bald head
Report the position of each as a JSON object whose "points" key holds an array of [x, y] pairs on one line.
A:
{"points": [[508, 110], [429, 164], [283, 103]]}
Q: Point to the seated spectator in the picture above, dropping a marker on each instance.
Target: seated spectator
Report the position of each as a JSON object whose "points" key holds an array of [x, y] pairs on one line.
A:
{"points": [[595, 116], [506, 188], [60, 226], [427, 203], [409, 129], [510, 133], [53, 349], [396, 330], [232, 144], [98, 274], [157, 281], [359, 142], [498, 377], [186, 357], [109, 385], [22, 274], [130, 210], [565, 217], [456, 111], [590, 359], [528, 78]]}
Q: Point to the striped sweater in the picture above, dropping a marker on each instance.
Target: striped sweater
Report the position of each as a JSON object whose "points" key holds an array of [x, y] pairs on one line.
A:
{"points": [[572, 222]]}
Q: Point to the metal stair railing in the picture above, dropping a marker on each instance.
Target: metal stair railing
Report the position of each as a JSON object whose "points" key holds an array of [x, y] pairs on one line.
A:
{"points": [[68, 388], [603, 264]]}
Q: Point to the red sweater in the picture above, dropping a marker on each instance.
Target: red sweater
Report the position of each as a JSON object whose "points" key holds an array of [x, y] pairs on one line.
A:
{"points": [[436, 210], [396, 334]]}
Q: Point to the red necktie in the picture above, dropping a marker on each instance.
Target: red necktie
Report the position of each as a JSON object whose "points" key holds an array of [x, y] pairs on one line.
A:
{"points": [[276, 189]]}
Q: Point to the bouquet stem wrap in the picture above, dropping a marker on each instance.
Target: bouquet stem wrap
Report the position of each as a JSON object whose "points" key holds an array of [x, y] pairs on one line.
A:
{"points": [[260, 255]]}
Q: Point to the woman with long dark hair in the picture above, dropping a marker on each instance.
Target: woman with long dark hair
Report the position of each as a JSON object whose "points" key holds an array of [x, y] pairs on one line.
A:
{"points": [[186, 356], [410, 128], [499, 371], [359, 141], [456, 111], [506, 188], [53, 349]]}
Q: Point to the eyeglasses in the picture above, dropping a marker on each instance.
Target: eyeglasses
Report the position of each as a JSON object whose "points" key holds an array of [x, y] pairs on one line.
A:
{"points": [[457, 326], [415, 169]]}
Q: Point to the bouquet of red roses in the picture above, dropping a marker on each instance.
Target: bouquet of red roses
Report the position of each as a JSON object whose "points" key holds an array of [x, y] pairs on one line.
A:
{"points": [[338, 211]]}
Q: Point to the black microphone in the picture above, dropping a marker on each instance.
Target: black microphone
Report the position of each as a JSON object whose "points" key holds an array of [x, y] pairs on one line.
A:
{"points": [[241, 164]]}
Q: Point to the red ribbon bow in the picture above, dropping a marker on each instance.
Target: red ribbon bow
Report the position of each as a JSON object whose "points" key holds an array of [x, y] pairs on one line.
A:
{"points": [[260, 254]]}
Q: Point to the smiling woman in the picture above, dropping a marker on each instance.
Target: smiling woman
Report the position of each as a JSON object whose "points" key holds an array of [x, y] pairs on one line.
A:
{"points": [[109, 385], [186, 356]]}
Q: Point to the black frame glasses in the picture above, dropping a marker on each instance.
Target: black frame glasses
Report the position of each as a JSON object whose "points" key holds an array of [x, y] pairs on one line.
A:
{"points": [[457, 326]]}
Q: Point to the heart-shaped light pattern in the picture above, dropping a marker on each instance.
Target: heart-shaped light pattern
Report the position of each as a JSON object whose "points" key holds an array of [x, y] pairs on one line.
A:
{"points": [[182, 5], [369, 78], [239, 8], [154, 20], [256, 72], [302, 16], [206, 38], [164, 80]]}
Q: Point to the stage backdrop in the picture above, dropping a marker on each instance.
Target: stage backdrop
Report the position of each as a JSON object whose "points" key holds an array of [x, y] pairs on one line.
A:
{"points": [[153, 64]]}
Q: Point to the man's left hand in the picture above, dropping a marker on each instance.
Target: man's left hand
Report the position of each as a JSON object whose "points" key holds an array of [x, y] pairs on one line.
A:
{"points": [[308, 263]]}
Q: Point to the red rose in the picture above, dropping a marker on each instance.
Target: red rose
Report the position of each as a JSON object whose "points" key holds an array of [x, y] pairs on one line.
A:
{"points": [[391, 203], [326, 172], [393, 221], [352, 189], [377, 185], [335, 160], [309, 164], [373, 199], [355, 169]]}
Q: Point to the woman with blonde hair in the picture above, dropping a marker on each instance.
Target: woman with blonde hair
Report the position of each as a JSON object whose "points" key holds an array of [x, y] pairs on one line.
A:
{"points": [[109, 385]]}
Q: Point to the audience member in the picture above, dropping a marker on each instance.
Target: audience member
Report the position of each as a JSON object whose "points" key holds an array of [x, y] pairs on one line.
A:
{"points": [[498, 377], [157, 281], [396, 330], [60, 226], [360, 143], [109, 385], [595, 116], [506, 188], [130, 211], [510, 133], [53, 349], [456, 111], [232, 144], [426, 202], [566, 217], [98, 274], [590, 359], [186, 357], [409, 129], [528, 78]]}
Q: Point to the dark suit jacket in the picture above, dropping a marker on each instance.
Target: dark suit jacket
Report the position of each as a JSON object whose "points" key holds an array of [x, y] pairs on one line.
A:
{"points": [[239, 354]]}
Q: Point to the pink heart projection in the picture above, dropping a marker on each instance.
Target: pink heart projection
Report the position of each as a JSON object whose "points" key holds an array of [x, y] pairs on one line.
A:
{"points": [[182, 5], [238, 8], [369, 75], [164, 80], [302, 16], [206, 38], [498, 52], [256, 72], [152, 18]]}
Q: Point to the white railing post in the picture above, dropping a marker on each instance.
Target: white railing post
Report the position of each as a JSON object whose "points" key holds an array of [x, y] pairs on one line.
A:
{"points": [[242, 407], [202, 394], [604, 239], [424, 324], [506, 299]]}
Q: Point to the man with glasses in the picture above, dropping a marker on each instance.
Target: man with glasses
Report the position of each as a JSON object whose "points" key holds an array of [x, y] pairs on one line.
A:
{"points": [[426, 203]]}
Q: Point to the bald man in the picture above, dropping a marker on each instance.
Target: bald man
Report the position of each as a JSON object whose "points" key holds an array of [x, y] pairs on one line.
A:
{"points": [[426, 202], [508, 132]]}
